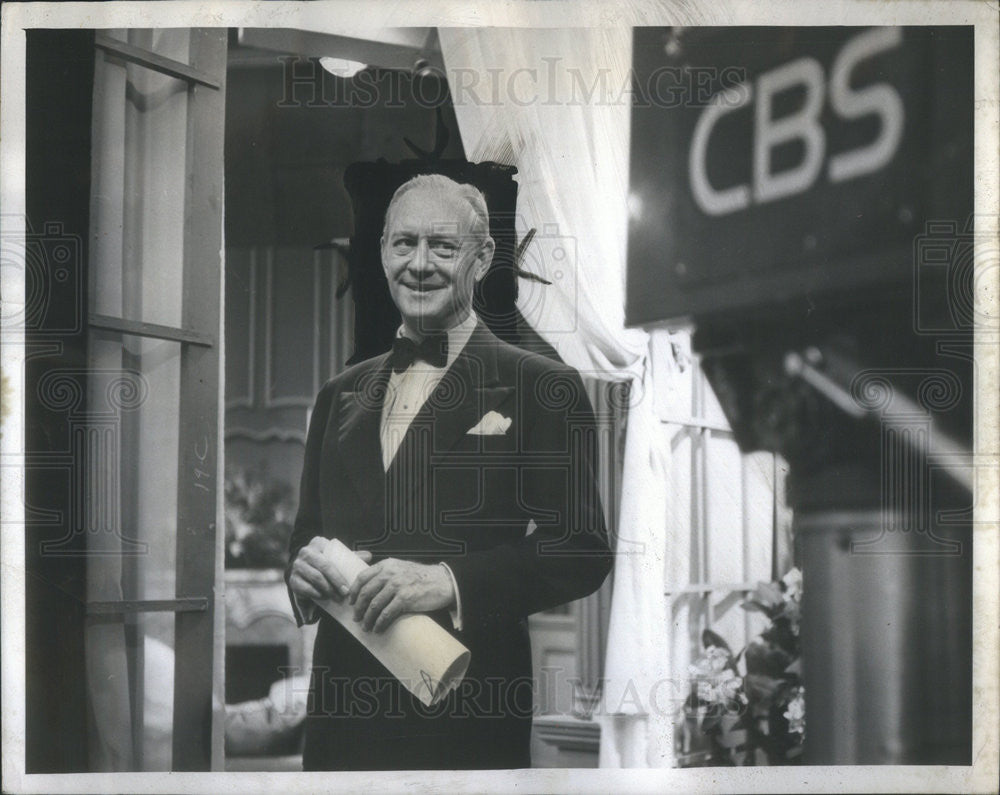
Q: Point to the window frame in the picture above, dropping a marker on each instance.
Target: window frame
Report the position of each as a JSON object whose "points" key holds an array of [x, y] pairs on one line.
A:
{"points": [[197, 742]]}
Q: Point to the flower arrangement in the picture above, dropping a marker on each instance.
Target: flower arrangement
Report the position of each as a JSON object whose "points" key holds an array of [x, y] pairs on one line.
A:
{"points": [[751, 706], [259, 514]]}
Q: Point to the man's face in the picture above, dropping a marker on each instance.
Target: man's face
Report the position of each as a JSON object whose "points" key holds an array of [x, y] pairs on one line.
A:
{"points": [[431, 261]]}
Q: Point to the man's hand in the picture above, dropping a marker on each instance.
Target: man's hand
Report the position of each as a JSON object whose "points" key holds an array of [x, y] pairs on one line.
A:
{"points": [[312, 575], [383, 592]]}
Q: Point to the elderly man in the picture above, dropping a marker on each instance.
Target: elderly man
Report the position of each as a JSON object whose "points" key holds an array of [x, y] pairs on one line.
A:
{"points": [[463, 469]]}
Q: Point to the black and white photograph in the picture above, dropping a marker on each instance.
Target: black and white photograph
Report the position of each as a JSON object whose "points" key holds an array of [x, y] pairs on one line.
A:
{"points": [[538, 396]]}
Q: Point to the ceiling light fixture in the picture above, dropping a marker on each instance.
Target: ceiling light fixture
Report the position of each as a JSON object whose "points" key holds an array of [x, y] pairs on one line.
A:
{"points": [[341, 67]]}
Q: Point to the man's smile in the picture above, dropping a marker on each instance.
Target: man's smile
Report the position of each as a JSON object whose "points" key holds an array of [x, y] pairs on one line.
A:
{"points": [[421, 287]]}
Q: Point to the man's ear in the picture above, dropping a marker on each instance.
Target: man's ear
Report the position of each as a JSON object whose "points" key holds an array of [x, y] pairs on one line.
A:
{"points": [[484, 257]]}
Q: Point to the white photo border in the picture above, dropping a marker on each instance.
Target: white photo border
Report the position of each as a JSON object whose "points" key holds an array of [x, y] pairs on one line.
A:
{"points": [[982, 776]]}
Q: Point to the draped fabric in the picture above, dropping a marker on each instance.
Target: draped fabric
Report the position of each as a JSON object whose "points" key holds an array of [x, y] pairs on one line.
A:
{"points": [[572, 160], [555, 104]]}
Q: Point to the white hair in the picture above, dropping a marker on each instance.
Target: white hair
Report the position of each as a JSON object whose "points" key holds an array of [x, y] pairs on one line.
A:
{"points": [[480, 227]]}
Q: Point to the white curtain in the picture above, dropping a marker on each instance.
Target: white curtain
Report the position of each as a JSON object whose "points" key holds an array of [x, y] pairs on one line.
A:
{"points": [[555, 104]]}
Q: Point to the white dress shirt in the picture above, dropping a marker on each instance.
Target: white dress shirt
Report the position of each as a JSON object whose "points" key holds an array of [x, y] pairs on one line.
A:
{"points": [[405, 394]]}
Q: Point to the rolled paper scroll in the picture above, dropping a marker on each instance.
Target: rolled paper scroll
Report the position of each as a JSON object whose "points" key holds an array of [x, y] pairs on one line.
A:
{"points": [[425, 658]]}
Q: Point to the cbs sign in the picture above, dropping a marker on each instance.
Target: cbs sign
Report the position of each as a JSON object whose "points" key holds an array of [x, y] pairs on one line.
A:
{"points": [[846, 101], [810, 177]]}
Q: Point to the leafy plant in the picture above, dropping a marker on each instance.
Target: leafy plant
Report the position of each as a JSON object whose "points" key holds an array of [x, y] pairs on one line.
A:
{"points": [[259, 514], [751, 705]]}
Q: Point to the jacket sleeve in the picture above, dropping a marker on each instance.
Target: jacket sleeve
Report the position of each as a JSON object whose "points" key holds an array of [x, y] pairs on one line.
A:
{"points": [[308, 520], [567, 556]]}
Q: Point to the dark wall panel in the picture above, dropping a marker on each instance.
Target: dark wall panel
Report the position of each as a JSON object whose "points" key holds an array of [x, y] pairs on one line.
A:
{"points": [[60, 73]]}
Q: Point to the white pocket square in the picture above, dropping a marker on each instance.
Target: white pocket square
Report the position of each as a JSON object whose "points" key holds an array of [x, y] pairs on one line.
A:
{"points": [[492, 424]]}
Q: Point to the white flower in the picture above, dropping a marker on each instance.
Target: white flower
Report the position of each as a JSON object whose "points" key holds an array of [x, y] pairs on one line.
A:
{"points": [[796, 712], [715, 682], [793, 585], [705, 692], [717, 658], [729, 686]]}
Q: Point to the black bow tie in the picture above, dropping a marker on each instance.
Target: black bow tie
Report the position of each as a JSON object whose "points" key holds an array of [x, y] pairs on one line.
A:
{"points": [[433, 349]]}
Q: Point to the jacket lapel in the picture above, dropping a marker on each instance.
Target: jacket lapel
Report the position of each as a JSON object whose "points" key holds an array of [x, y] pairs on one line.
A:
{"points": [[359, 414], [468, 390]]}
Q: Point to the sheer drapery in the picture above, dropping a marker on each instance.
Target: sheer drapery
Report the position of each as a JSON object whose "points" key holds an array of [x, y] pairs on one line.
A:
{"points": [[556, 104]]}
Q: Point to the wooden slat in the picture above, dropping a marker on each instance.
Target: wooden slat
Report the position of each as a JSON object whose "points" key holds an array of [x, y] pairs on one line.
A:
{"points": [[569, 733], [132, 267], [199, 436], [131, 575], [711, 587], [158, 63], [698, 424], [152, 330], [128, 606]]}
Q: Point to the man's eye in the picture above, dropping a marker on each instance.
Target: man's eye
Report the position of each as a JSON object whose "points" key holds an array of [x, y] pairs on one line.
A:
{"points": [[403, 243], [443, 248]]}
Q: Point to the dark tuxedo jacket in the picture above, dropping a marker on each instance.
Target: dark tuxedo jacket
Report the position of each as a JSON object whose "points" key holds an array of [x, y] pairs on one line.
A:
{"points": [[467, 500]]}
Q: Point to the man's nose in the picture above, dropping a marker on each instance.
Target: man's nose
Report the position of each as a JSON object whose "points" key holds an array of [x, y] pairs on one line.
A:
{"points": [[421, 260]]}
